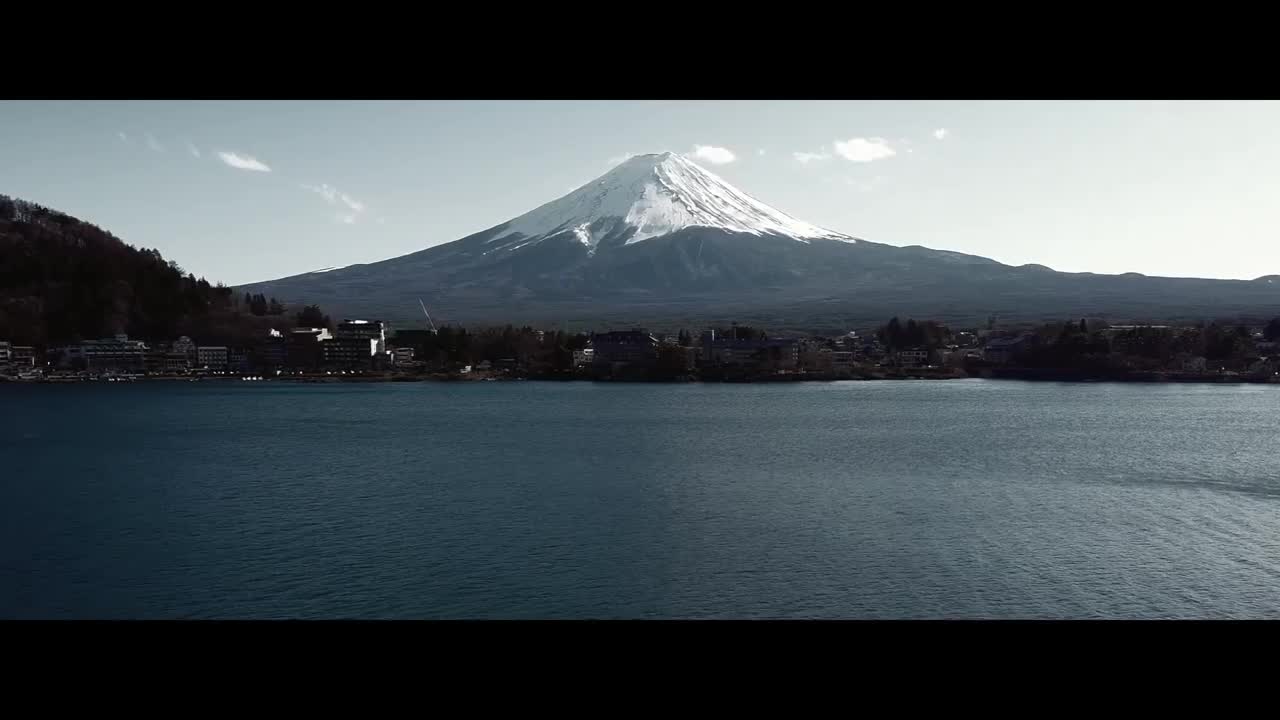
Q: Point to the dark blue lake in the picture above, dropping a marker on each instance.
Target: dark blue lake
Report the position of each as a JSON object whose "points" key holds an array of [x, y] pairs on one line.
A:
{"points": [[956, 499]]}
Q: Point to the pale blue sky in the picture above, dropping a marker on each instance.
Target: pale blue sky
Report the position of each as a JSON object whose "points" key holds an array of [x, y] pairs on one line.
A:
{"points": [[1163, 188]]}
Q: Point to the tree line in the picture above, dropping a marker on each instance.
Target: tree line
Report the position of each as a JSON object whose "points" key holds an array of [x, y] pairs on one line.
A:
{"points": [[524, 346], [259, 306], [1080, 345], [928, 334], [63, 280]]}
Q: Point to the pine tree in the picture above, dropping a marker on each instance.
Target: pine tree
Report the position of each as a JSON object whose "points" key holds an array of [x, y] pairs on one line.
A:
{"points": [[311, 317], [913, 334], [891, 334]]}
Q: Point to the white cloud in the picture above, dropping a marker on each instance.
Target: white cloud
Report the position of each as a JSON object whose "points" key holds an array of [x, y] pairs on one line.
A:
{"points": [[333, 196], [619, 159], [328, 192], [382, 221], [864, 150], [760, 152], [941, 133], [243, 162], [351, 202], [195, 151], [122, 136], [807, 157], [712, 154], [153, 143]]}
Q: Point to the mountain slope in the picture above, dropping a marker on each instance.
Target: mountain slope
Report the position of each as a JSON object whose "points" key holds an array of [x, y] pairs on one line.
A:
{"points": [[62, 279], [659, 238]]}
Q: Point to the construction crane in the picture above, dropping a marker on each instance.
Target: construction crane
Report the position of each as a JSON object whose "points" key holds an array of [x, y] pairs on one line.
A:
{"points": [[424, 312]]}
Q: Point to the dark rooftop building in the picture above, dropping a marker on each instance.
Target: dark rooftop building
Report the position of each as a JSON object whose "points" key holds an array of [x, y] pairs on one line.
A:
{"points": [[349, 353], [364, 330], [1003, 350], [302, 347], [630, 347], [776, 354]]}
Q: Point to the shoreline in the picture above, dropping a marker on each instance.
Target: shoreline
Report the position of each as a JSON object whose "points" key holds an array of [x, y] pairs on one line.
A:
{"points": [[1023, 374]]}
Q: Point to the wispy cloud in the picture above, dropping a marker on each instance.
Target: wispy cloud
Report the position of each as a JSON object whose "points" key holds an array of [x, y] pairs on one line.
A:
{"points": [[760, 152], [712, 154], [243, 162], [807, 157], [153, 143], [334, 196], [864, 150], [382, 221], [328, 192], [941, 133], [195, 151], [619, 159], [122, 136]]}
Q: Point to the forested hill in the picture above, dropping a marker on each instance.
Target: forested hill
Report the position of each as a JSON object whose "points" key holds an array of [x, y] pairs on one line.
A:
{"points": [[62, 279]]}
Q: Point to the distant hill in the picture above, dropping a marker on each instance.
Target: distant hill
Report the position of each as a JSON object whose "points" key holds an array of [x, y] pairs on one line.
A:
{"points": [[63, 279], [661, 241]]}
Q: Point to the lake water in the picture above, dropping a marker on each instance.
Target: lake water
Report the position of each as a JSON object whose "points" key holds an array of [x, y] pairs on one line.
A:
{"points": [[915, 499]]}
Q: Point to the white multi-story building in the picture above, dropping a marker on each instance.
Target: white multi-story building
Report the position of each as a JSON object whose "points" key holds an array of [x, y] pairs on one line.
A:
{"points": [[402, 355], [115, 354]]}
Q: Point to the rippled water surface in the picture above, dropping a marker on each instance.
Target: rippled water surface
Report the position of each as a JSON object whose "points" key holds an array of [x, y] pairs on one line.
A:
{"points": [[960, 499]]}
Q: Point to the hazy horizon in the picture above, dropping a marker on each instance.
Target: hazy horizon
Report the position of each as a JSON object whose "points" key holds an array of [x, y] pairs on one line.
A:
{"points": [[250, 191]]}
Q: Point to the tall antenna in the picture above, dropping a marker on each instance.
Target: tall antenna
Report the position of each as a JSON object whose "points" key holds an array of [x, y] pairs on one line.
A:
{"points": [[424, 312]]}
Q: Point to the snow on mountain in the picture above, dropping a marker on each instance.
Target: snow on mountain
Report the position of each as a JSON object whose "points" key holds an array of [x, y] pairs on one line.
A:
{"points": [[660, 239], [653, 195]]}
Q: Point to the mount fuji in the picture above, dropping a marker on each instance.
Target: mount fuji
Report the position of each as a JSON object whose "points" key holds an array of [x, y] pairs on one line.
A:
{"points": [[659, 239], [649, 196]]}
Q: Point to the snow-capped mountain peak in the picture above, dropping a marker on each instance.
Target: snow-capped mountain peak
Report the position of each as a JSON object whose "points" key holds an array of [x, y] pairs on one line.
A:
{"points": [[649, 196]]}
